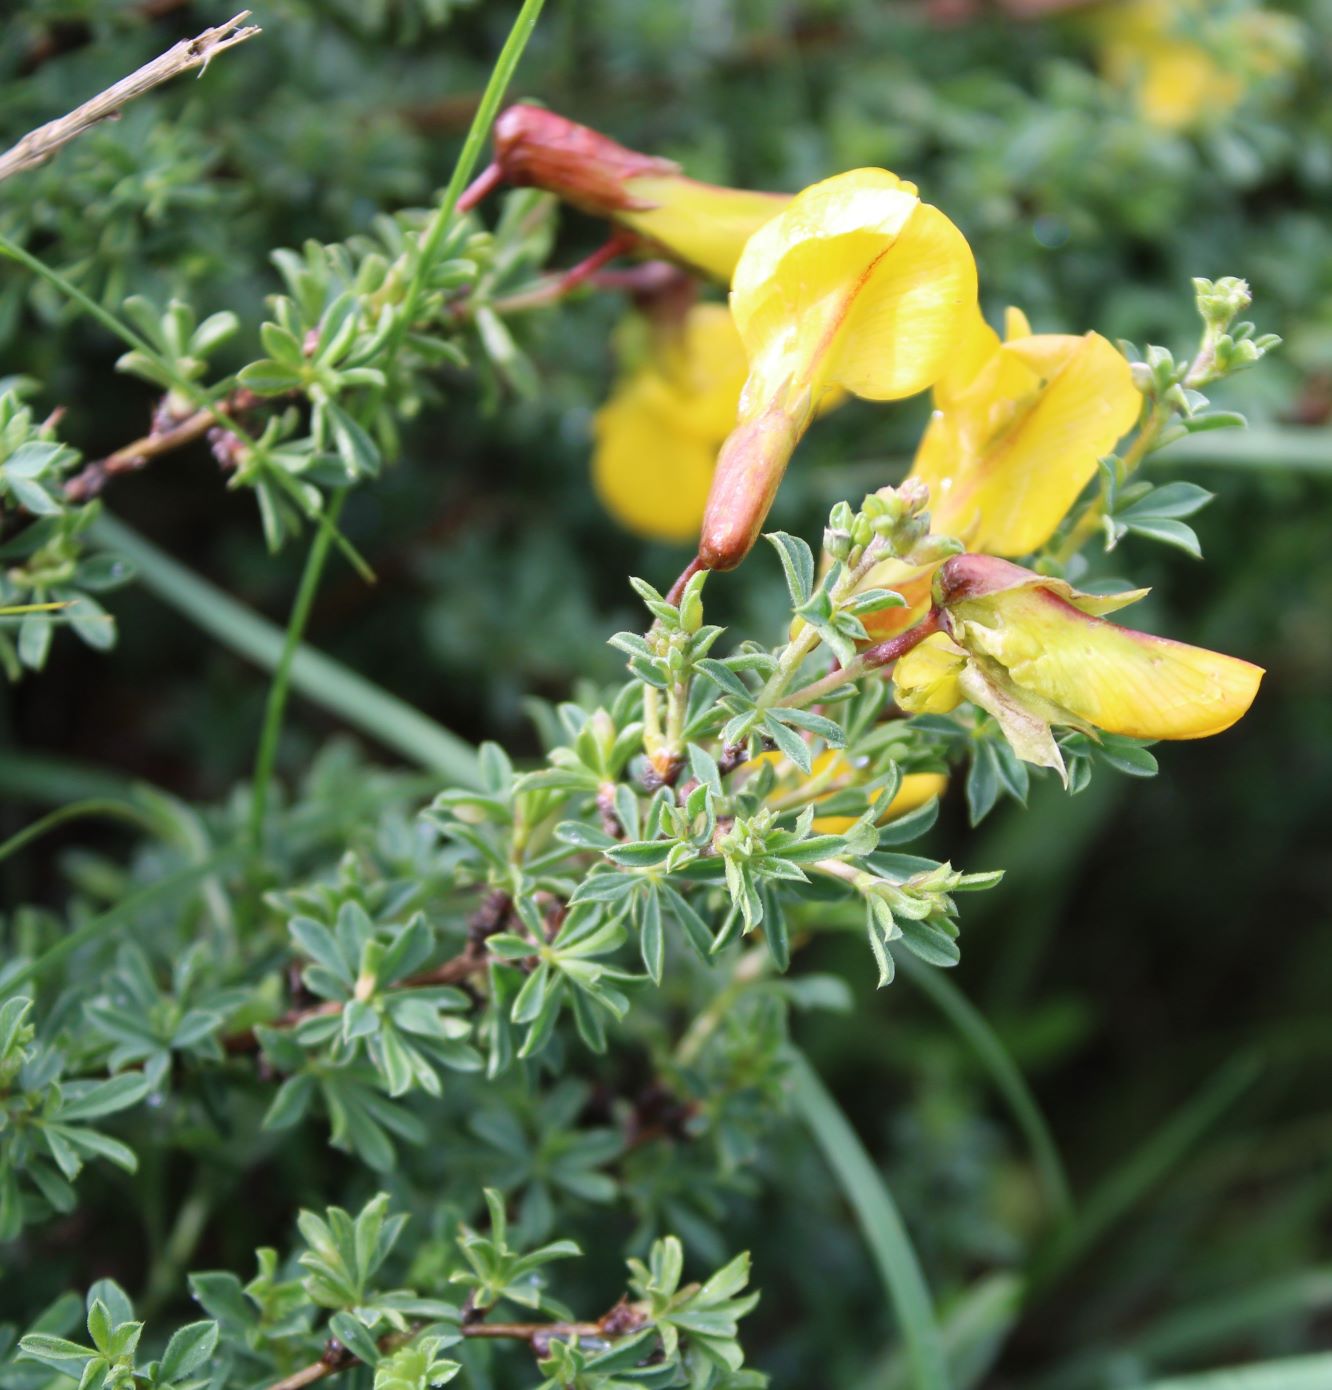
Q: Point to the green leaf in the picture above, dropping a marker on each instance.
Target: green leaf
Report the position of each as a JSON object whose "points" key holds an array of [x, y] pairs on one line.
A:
{"points": [[86, 1101], [722, 676], [1169, 500], [797, 563], [354, 1335], [190, 1346], [1168, 532], [791, 744]]}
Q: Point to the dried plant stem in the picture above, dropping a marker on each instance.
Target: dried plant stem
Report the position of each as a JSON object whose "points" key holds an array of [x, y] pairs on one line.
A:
{"points": [[39, 145]]}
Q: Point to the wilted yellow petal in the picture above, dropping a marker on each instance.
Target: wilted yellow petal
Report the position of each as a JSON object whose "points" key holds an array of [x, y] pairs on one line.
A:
{"points": [[927, 680], [966, 577], [1006, 458], [1122, 681]]}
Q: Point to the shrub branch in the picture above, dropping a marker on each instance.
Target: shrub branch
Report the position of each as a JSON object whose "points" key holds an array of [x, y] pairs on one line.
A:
{"points": [[39, 145]]}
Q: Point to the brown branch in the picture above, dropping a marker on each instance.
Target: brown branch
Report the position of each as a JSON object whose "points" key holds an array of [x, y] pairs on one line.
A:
{"points": [[94, 476], [489, 918], [623, 1319], [451, 972], [39, 145]]}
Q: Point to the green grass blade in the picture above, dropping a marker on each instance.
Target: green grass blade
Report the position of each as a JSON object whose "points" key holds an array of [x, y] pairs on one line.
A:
{"points": [[973, 1331], [1292, 1373], [993, 1056], [1143, 1170], [321, 680], [1265, 448], [78, 810], [53, 781], [880, 1223], [271, 733], [1198, 1328], [122, 915], [500, 77]]}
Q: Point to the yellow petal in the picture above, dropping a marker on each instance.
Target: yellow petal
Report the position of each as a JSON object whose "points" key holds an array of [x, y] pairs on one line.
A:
{"points": [[900, 333], [1016, 324], [1122, 681], [914, 790], [912, 582], [857, 283], [650, 474], [1006, 459], [701, 224], [704, 365], [976, 344], [927, 680]]}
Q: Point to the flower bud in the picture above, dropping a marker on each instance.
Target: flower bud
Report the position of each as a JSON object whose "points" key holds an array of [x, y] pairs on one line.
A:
{"points": [[699, 225], [838, 539], [1221, 301], [749, 471]]}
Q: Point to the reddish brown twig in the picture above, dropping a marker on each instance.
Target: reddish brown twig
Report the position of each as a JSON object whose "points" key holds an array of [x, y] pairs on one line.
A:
{"points": [[622, 1320], [489, 918], [676, 591], [163, 438], [451, 972]]}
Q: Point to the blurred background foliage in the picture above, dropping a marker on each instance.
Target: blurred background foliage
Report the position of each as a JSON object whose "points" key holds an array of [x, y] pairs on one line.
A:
{"points": [[1149, 937]]}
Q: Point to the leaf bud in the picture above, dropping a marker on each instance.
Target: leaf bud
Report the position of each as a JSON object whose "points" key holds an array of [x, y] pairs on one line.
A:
{"points": [[1220, 301]]}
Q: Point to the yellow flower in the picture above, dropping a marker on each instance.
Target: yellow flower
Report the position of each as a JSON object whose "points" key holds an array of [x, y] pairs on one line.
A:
{"points": [[1187, 63], [657, 437], [835, 772], [857, 284], [1016, 435], [700, 225], [1007, 454], [1035, 652]]}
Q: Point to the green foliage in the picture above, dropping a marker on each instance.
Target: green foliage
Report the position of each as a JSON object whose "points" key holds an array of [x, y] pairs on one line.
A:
{"points": [[552, 1012]]}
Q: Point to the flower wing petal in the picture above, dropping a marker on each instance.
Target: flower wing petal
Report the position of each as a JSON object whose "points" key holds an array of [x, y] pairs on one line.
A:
{"points": [[650, 475], [1122, 681]]}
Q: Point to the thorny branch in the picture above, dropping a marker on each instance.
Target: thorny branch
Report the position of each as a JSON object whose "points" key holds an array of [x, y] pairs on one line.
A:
{"points": [[39, 145]]}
